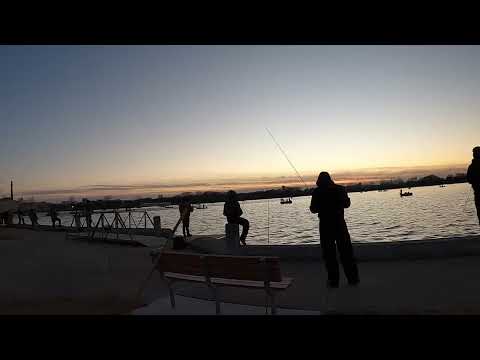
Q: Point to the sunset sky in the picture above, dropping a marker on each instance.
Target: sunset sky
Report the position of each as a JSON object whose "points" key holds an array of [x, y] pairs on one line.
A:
{"points": [[129, 120]]}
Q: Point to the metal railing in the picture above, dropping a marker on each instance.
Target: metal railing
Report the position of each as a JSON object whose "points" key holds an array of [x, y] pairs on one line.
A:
{"points": [[138, 224]]}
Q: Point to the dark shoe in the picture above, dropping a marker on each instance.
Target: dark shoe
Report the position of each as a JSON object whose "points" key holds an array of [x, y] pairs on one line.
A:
{"points": [[189, 235], [332, 284], [354, 283]]}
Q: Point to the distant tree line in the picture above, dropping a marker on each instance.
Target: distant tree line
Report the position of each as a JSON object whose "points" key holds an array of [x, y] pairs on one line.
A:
{"points": [[216, 196]]}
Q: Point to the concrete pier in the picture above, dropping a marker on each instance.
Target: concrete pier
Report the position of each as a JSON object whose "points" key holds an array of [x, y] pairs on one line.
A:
{"points": [[407, 250]]}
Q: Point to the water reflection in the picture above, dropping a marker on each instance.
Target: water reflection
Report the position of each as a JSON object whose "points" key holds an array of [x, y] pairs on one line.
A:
{"points": [[432, 212]]}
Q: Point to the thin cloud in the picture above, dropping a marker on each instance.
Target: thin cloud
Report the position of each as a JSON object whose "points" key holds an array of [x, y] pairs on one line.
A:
{"points": [[373, 175]]}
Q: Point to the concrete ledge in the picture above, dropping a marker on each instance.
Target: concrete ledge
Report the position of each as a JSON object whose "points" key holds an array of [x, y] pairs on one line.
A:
{"points": [[415, 249]]}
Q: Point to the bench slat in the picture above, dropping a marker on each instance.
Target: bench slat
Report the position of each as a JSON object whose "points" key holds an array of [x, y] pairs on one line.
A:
{"points": [[179, 276], [285, 283]]}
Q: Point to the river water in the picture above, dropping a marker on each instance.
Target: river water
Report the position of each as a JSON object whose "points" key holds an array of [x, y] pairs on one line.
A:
{"points": [[432, 212]]}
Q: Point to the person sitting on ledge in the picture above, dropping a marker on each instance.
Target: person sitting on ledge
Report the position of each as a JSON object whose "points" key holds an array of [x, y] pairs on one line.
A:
{"points": [[473, 177], [233, 212]]}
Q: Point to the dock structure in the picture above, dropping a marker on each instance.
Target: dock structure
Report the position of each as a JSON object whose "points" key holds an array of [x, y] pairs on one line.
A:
{"points": [[116, 231]]}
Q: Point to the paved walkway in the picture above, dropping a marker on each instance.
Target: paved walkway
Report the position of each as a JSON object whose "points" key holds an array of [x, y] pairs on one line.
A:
{"points": [[441, 286], [192, 306], [43, 273]]}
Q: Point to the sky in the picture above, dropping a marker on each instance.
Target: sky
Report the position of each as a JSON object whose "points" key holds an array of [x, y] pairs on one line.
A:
{"points": [[127, 120]]}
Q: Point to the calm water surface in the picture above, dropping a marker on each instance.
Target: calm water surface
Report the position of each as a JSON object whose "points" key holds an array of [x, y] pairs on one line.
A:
{"points": [[432, 212]]}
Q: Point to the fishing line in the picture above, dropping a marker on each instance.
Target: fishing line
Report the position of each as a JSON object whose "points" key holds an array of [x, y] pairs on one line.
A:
{"points": [[286, 157], [268, 221]]}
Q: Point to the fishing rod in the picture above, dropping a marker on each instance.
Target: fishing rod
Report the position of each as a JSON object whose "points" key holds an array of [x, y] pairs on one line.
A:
{"points": [[268, 221], [286, 157]]}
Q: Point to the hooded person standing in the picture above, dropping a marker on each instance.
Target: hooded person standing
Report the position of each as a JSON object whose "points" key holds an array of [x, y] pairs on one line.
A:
{"points": [[473, 177], [54, 216], [185, 208], [328, 201]]}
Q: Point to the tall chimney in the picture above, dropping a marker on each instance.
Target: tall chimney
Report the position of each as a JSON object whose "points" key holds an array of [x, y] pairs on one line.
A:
{"points": [[11, 190]]}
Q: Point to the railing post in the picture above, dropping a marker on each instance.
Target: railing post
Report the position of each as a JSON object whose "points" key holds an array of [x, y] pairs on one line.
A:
{"points": [[78, 223]]}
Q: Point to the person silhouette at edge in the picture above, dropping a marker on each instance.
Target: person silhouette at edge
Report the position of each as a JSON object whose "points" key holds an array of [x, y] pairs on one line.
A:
{"points": [[32, 214], [473, 177], [233, 212], [88, 213], [20, 215], [186, 206], [328, 201], [54, 216]]}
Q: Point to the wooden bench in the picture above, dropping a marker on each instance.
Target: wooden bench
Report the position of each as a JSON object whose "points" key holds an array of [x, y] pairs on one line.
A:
{"points": [[255, 272]]}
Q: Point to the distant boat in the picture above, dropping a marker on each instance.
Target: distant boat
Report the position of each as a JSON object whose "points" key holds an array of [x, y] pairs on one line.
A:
{"points": [[442, 185], [286, 201], [201, 206], [405, 193]]}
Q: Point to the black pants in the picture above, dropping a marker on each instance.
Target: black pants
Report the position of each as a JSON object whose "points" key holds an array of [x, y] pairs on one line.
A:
{"points": [[334, 234], [186, 226], [245, 226]]}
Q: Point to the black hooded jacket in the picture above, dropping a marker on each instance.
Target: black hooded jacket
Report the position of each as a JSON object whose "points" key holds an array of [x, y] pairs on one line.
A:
{"points": [[329, 201], [232, 210], [473, 175]]}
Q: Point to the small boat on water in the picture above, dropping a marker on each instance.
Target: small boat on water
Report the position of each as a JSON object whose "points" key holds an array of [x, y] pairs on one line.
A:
{"points": [[200, 206], [286, 201], [442, 185], [408, 193]]}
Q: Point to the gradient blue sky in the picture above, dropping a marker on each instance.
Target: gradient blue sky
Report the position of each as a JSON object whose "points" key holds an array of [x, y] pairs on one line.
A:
{"points": [[76, 116]]}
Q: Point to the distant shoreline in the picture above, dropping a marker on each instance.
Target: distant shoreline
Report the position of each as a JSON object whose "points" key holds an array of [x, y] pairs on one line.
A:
{"points": [[217, 196]]}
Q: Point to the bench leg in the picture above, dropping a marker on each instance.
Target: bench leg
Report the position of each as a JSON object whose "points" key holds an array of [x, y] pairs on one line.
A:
{"points": [[172, 294], [217, 300], [267, 301], [270, 295], [274, 305]]}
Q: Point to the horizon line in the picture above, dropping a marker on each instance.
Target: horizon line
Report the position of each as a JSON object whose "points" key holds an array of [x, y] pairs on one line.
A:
{"points": [[249, 184]]}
